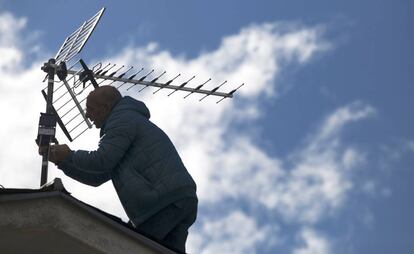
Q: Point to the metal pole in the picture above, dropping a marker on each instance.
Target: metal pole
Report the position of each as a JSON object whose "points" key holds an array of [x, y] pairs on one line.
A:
{"points": [[48, 67]]}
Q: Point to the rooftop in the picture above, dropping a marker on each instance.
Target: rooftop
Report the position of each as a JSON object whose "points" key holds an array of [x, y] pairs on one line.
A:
{"points": [[49, 219]]}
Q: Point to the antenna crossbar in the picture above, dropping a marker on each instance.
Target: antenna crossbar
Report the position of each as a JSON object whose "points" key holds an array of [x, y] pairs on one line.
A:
{"points": [[158, 85]]}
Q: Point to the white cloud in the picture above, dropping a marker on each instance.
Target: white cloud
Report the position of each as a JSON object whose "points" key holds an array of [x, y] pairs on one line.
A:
{"points": [[334, 124], [19, 89], [320, 177], [314, 243], [10, 27], [316, 183], [220, 235]]}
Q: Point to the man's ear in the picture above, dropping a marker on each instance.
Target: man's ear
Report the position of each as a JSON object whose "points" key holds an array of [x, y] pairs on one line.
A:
{"points": [[107, 108]]}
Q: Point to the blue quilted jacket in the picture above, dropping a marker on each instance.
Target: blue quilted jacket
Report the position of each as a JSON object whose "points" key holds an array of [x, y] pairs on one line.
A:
{"points": [[138, 157]]}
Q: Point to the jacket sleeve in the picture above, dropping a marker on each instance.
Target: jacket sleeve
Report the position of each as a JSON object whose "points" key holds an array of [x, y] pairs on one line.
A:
{"points": [[82, 175], [112, 147]]}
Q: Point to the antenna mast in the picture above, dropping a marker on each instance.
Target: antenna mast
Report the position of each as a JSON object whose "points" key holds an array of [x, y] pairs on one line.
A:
{"points": [[47, 122]]}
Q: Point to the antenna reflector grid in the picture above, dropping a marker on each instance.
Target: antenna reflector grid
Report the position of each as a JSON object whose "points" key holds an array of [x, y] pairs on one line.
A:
{"points": [[74, 43], [70, 103]]}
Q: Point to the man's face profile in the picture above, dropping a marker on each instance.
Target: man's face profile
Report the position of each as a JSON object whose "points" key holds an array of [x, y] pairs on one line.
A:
{"points": [[96, 110]]}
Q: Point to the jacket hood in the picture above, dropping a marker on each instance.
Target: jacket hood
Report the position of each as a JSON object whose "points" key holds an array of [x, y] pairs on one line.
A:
{"points": [[129, 103]]}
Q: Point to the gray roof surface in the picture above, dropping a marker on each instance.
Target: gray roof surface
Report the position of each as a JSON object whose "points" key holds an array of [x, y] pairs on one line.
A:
{"points": [[56, 189]]}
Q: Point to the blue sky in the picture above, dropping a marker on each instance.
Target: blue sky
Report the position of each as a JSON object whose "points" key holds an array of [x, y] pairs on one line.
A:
{"points": [[313, 155]]}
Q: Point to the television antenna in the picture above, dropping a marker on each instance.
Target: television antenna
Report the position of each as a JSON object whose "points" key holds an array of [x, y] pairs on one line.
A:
{"points": [[65, 104]]}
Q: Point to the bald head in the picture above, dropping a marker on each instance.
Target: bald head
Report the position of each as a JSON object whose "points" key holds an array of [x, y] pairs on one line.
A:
{"points": [[105, 95], [100, 102]]}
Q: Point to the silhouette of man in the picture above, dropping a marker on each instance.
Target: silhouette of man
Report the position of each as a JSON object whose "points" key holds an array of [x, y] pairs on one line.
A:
{"points": [[155, 189]]}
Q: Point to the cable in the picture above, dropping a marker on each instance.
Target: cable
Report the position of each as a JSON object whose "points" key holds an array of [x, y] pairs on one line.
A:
{"points": [[2, 186]]}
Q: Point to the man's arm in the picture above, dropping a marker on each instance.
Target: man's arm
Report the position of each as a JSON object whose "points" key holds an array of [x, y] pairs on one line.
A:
{"points": [[112, 147], [82, 175], [61, 155]]}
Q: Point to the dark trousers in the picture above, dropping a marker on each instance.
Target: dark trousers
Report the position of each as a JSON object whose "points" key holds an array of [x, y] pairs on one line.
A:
{"points": [[170, 225]]}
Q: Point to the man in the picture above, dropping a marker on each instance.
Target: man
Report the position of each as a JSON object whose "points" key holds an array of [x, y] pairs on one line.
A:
{"points": [[155, 189]]}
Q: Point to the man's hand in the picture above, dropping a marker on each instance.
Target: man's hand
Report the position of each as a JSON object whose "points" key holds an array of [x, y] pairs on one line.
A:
{"points": [[57, 153], [42, 150]]}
